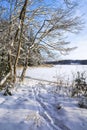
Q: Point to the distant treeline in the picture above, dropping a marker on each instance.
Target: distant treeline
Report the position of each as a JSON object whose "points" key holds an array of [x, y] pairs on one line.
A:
{"points": [[67, 62]]}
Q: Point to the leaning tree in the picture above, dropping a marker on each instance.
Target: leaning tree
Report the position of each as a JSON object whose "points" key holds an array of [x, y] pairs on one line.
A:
{"points": [[49, 23]]}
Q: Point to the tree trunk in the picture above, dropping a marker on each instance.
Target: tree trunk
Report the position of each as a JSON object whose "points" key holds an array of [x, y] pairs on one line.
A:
{"points": [[22, 18], [25, 66]]}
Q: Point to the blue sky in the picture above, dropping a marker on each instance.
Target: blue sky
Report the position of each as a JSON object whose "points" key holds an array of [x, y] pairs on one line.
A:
{"points": [[79, 40]]}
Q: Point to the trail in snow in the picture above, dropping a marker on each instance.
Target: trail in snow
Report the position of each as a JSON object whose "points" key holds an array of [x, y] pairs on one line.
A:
{"points": [[34, 106]]}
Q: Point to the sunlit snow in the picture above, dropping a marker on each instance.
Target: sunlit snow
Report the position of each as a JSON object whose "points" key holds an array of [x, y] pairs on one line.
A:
{"points": [[37, 105]]}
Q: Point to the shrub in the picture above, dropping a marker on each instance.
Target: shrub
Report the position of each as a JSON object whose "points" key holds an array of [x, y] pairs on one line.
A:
{"points": [[80, 85], [83, 102]]}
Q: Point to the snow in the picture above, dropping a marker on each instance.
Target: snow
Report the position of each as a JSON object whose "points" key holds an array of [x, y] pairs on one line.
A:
{"points": [[56, 73], [37, 105]]}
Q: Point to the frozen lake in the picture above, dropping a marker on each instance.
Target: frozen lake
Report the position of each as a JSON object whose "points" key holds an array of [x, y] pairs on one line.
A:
{"points": [[55, 73]]}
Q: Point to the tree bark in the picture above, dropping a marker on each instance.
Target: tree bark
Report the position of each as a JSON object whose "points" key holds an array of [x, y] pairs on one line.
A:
{"points": [[22, 18], [25, 66]]}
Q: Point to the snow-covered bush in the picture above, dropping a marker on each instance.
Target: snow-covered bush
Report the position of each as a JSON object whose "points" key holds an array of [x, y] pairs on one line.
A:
{"points": [[80, 85], [7, 91], [83, 102], [4, 64]]}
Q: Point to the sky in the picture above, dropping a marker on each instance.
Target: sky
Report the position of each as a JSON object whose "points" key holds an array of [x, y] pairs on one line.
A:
{"points": [[79, 40]]}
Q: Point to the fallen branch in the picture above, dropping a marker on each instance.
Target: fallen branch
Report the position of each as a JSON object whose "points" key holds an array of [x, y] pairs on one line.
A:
{"points": [[4, 79]]}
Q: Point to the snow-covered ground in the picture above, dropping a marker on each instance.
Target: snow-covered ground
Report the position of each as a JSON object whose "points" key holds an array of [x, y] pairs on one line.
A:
{"points": [[37, 105]]}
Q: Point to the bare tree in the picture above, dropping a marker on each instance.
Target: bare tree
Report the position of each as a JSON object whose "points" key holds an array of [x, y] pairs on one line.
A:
{"points": [[48, 25]]}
